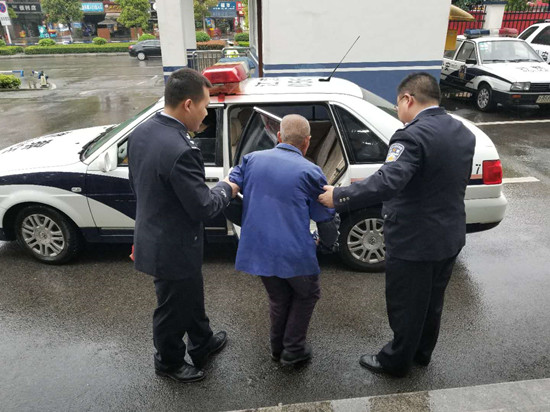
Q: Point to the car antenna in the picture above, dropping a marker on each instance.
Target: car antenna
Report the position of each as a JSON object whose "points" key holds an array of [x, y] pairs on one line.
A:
{"points": [[338, 65]]}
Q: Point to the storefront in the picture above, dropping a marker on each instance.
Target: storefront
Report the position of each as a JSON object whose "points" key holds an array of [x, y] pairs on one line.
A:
{"points": [[94, 12], [29, 17], [227, 16]]}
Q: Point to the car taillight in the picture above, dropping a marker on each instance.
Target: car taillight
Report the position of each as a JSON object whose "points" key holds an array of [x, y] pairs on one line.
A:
{"points": [[130, 47], [492, 172]]}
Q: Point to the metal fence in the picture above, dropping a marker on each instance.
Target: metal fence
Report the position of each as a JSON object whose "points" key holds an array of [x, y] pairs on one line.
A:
{"points": [[521, 18], [460, 26], [201, 59]]}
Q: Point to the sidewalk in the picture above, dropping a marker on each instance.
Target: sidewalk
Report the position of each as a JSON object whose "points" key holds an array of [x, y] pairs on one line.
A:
{"points": [[522, 396]]}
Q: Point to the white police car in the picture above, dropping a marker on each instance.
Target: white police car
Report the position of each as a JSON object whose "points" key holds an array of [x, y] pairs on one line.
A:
{"points": [[497, 70], [538, 36], [60, 190]]}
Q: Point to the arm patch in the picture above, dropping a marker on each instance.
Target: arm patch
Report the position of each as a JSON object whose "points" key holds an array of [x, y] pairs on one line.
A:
{"points": [[394, 152]]}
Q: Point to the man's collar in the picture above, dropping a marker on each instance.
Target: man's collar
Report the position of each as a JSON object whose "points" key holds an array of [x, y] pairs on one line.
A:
{"points": [[286, 146], [430, 111], [162, 115]]}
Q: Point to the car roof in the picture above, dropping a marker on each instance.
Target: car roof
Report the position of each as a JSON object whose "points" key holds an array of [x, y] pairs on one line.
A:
{"points": [[298, 86], [491, 38]]}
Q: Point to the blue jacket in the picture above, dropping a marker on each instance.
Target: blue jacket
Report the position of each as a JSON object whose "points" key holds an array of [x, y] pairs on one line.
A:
{"points": [[422, 187], [280, 190]]}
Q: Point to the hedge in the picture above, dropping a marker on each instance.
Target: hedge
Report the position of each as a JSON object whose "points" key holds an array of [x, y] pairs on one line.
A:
{"points": [[8, 81], [146, 36], [202, 36], [2, 43], [243, 43], [10, 50], [211, 45], [241, 37], [79, 48], [99, 40], [46, 42]]}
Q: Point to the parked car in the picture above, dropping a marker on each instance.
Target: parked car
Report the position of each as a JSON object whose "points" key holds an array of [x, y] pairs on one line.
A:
{"points": [[538, 36], [497, 70], [145, 49], [58, 190]]}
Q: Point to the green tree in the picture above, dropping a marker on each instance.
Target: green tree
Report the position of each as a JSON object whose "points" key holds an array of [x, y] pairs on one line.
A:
{"points": [[134, 13], [62, 11], [517, 5], [12, 13], [202, 10], [245, 10]]}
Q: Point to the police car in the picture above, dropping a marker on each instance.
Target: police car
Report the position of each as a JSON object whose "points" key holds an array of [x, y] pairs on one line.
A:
{"points": [[497, 70], [538, 36], [62, 190]]}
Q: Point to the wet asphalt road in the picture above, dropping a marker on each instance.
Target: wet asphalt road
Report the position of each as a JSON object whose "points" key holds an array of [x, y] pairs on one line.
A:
{"points": [[78, 337]]}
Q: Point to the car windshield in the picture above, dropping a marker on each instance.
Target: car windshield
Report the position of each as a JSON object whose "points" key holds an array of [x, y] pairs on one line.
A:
{"points": [[92, 146], [507, 51], [379, 102]]}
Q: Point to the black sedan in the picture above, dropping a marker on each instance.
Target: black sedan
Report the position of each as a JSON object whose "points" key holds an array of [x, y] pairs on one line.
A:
{"points": [[145, 49]]}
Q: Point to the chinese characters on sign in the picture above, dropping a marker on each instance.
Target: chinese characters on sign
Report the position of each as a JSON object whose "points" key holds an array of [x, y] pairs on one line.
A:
{"points": [[26, 7]]}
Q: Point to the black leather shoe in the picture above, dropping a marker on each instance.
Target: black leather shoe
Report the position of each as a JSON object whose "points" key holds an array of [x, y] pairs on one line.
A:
{"points": [[185, 374], [292, 358], [276, 356], [421, 361], [217, 343], [371, 363]]}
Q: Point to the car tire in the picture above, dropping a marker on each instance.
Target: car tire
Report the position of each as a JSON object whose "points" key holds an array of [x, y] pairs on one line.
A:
{"points": [[484, 99], [47, 235], [361, 241], [141, 56]]}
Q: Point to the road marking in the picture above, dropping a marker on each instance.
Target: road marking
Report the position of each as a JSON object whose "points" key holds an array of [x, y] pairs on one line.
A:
{"points": [[512, 122], [520, 180], [140, 83]]}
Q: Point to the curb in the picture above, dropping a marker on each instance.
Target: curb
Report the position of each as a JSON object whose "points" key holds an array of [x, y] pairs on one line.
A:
{"points": [[30, 56]]}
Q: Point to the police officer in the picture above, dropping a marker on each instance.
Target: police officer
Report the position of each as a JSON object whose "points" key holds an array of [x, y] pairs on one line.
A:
{"points": [[173, 200], [421, 186]]}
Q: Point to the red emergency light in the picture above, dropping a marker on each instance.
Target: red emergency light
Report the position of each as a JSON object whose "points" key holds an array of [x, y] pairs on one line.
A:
{"points": [[226, 78]]}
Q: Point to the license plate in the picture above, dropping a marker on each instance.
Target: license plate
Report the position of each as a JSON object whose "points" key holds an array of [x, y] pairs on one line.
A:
{"points": [[543, 99]]}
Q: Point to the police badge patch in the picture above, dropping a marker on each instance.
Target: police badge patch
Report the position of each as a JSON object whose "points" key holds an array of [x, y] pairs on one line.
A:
{"points": [[394, 152]]}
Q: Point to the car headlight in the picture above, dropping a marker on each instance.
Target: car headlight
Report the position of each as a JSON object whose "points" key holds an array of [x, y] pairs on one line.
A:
{"points": [[524, 86]]}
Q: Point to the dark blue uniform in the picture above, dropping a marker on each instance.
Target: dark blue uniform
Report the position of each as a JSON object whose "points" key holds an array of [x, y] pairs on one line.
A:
{"points": [[422, 187], [173, 200]]}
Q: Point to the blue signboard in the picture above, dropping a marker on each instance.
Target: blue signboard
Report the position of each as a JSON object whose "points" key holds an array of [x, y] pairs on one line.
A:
{"points": [[92, 7], [224, 9]]}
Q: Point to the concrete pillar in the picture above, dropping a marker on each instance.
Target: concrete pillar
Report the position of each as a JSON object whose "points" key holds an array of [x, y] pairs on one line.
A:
{"points": [[172, 29], [189, 23], [494, 13]]}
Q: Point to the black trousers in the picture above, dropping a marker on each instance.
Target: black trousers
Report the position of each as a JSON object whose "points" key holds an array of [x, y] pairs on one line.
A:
{"points": [[291, 304], [414, 299], [180, 310]]}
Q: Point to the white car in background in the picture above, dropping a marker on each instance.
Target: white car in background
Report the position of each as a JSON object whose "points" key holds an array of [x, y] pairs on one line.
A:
{"points": [[538, 36], [60, 190]]}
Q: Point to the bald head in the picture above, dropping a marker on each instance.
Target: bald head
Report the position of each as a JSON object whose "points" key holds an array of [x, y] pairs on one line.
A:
{"points": [[295, 130]]}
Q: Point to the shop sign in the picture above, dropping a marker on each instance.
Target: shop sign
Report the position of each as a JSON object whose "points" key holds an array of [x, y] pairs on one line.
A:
{"points": [[224, 9], [92, 7], [26, 7]]}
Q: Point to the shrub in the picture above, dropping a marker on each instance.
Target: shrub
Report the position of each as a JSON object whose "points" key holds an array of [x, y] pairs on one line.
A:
{"points": [[8, 81], [2, 43], [9, 50], [99, 40], [211, 45], [202, 36], [241, 37], [79, 48], [46, 42], [243, 43], [146, 36]]}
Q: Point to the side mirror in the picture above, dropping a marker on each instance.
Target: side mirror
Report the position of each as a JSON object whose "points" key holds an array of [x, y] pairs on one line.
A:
{"points": [[471, 61], [108, 160]]}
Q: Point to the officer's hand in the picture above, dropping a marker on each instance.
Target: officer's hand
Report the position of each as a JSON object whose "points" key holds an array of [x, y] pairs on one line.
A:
{"points": [[234, 188], [326, 198]]}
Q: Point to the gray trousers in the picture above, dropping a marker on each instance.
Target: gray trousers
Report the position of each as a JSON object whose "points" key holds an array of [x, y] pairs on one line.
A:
{"points": [[291, 304]]}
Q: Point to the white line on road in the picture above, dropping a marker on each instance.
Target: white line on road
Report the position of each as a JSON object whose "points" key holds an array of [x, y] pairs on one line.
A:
{"points": [[141, 83], [520, 180], [512, 122]]}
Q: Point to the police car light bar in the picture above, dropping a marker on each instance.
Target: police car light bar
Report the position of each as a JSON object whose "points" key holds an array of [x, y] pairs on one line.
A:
{"points": [[473, 33], [502, 32], [226, 77]]}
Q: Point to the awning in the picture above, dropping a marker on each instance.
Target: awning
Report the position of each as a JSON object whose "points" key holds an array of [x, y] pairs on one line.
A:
{"points": [[107, 22], [457, 14]]}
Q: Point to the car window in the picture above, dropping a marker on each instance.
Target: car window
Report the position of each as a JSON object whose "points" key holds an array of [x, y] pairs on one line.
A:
{"points": [[365, 146], [527, 33], [467, 51], [209, 138], [449, 54], [507, 51], [122, 153], [543, 37]]}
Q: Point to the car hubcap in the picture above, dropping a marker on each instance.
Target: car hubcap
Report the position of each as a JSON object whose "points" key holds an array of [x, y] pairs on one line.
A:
{"points": [[42, 235], [483, 98], [366, 241]]}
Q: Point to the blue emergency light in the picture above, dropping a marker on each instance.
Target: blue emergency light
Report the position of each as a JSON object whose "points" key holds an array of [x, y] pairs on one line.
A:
{"points": [[472, 33]]}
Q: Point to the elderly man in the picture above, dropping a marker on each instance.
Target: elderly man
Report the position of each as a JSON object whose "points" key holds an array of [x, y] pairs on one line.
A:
{"points": [[280, 189]]}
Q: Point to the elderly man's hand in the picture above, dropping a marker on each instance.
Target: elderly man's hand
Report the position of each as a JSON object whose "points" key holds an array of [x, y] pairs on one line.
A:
{"points": [[326, 198], [234, 188]]}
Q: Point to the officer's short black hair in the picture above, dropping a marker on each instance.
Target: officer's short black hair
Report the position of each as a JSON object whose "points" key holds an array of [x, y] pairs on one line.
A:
{"points": [[423, 86], [184, 84]]}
